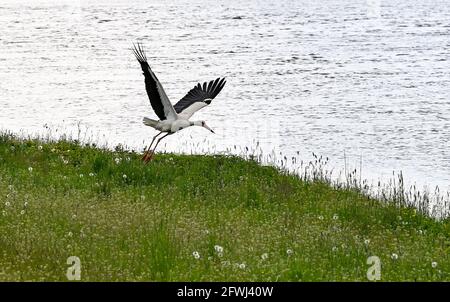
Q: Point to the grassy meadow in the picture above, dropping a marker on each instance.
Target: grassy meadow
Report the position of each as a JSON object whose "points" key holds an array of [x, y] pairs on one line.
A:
{"points": [[197, 218]]}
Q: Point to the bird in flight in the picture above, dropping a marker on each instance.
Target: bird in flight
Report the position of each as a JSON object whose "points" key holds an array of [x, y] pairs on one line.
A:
{"points": [[173, 118]]}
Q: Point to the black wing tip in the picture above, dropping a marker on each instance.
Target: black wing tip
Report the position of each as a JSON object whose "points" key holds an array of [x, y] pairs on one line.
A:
{"points": [[138, 50]]}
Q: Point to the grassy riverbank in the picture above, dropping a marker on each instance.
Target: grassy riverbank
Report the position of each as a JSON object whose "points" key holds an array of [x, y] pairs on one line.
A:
{"points": [[198, 218]]}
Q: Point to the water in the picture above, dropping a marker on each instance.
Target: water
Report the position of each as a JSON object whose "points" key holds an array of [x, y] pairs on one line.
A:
{"points": [[368, 78]]}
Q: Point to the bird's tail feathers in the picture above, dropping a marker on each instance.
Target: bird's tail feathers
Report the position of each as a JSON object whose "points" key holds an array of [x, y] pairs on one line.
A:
{"points": [[149, 122]]}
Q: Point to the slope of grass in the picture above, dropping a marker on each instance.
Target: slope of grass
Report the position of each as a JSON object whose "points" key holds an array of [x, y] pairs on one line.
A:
{"points": [[244, 222]]}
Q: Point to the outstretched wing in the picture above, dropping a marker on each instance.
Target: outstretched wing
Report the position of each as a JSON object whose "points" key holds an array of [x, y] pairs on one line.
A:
{"points": [[199, 97], [158, 98]]}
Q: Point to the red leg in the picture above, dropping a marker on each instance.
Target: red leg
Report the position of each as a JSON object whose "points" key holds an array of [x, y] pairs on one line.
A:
{"points": [[146, 153], [150, 157]]}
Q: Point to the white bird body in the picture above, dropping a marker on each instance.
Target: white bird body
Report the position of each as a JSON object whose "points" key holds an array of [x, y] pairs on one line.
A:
{"points": [[171, 126], [174, 118]]}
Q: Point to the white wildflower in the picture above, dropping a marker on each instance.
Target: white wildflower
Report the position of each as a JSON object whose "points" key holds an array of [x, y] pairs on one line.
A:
{"points": [[91, 174], [40, 147], [242, 266], [289, 252], [264, 256], [366, 242], [81, 175], [117, 160], [22, 212], [320, 217], [434, 264], [394, 256], [30, 169], [124, 176], [335, 217], [7, 203], [218, 249], [334, 249], [196, 255]]}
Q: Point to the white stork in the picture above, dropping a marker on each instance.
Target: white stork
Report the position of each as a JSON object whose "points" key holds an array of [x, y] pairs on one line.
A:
{"points": [[173, 118]]}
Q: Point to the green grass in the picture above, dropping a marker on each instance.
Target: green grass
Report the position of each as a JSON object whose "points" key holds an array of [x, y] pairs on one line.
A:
{"points": [[130, 221]]}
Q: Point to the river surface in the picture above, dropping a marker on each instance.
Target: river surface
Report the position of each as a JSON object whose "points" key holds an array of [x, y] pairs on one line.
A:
{"points": [[368, 79]]}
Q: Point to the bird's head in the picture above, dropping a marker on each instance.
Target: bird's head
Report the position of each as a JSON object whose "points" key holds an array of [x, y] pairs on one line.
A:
{"points": [[203, 124]]}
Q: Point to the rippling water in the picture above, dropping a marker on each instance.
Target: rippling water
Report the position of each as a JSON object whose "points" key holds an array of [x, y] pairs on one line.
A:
{"points": [[368, 78]]}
